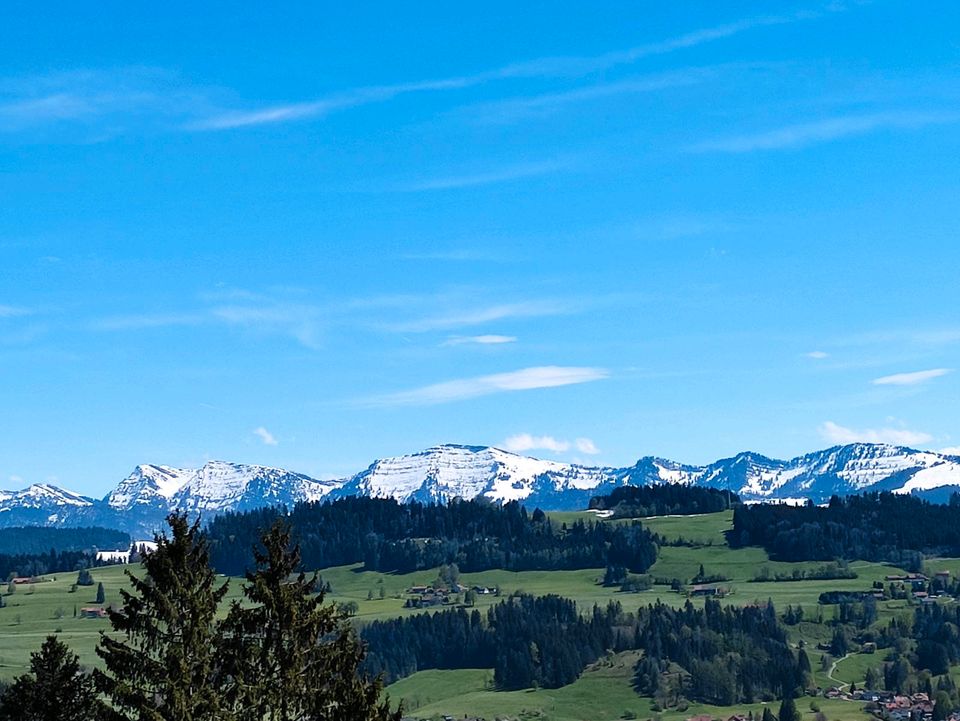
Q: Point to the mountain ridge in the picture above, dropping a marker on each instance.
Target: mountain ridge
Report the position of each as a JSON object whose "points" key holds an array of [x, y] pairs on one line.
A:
{"points": [[440, 473]]}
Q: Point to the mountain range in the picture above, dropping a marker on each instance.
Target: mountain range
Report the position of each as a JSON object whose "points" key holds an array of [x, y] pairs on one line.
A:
{"points": [[140, 502]]}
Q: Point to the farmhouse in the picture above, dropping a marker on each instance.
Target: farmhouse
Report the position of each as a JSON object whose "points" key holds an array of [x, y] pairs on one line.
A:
{"points": [[701, 589], [93, 612]]}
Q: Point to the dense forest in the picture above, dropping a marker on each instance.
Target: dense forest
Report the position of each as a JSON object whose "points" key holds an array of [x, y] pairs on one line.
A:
{"points": [[39, 564], [39, 539], [386, 535], [873, 527], [528, 641], [726, 654], [662, 500]]}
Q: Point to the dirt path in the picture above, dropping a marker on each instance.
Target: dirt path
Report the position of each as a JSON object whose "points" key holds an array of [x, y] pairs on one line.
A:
{"points": [[833, 668]]}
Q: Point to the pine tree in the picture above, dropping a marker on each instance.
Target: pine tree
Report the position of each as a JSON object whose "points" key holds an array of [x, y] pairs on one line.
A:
{"points": [[101, 594], [160, 661], [768, 714], [54, 690], [941, 706], [289, 656], [788, 709], [803, 664]]}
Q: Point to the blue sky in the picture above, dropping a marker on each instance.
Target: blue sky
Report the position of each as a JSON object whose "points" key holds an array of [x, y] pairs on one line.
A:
{"points": [[312, 238]]}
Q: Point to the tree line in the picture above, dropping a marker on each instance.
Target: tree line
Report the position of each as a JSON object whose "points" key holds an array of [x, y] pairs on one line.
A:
{"points": [[662, 500], [715, 654], [280, 654], [476, 535], [32, 540], [528, 641], [30, 565], [873, 526]]}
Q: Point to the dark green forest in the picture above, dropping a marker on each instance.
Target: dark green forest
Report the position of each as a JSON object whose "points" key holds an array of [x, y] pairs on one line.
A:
{"points": [[873, 526], [386, 535]]}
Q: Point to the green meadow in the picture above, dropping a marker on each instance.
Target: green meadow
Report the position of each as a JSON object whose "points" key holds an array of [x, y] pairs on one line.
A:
{"points": [[603, 692]]}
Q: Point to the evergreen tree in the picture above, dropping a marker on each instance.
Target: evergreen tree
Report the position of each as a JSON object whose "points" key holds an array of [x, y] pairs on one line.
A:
{"points": [[788, 709], [160, 660], [768, 714], [290, 656], [101, 594], [871, 680], [54, 690], [942, 706], [803, 662]]}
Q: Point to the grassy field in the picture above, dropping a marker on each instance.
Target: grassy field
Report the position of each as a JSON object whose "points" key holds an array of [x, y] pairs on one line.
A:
{"points": [[604, 692]]}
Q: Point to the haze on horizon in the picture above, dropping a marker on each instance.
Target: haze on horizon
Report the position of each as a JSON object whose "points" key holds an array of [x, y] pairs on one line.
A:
{"points": [[312, 240]]}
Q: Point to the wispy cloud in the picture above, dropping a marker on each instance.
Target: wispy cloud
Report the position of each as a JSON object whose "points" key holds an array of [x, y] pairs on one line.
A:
{"points": [[12, 311], [822, 131], [480, 340], [488, 177], [467, 388], [265, 436], [586, 445], [817, 354], [911, 379], [461, 255], [260, 314], [479, 316], [516, 109], [145, 321], [835, 433], [104, 101], [523, 442], [544, 67]]}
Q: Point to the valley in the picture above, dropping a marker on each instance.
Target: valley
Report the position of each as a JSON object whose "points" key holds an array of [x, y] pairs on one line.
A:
{"points": [[605, 688]]}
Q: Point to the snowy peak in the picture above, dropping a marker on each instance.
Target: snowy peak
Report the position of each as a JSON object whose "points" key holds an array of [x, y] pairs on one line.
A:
{"points": [[220, 486], [41, 495], [445, 472], [147, 485], [140, 502], [41, 504]]}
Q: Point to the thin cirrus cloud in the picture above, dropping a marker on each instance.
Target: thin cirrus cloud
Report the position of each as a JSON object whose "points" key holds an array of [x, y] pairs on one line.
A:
{"points": [[911, 379], [512, 381], [494, 176], [302, 322], [109, 100], [489, 339], [545, 67], [835, 433], [516, 109], [479, 316], [12, 311], [265, 436], [817, 354], [823, 131]]}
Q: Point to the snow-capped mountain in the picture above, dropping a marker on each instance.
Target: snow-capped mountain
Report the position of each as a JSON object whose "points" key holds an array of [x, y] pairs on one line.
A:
{"points": [[141, 501], [40, 505], [451, 471]]}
